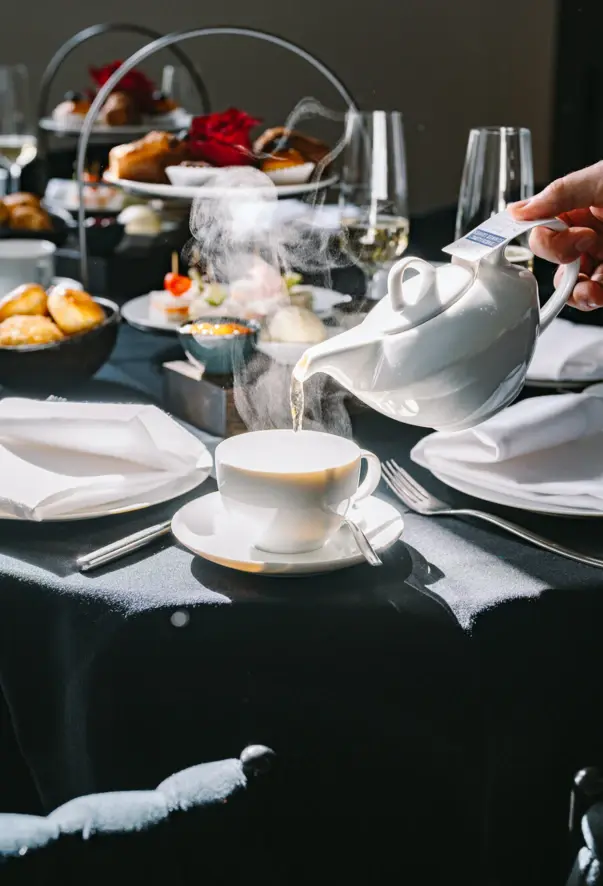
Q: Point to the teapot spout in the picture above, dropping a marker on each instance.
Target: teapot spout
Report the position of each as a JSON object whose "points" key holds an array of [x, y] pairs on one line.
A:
{"points": [[343, 357]]}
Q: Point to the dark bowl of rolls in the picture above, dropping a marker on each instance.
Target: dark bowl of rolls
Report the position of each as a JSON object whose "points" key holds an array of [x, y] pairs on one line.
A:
{"points": [[52, 341], [22, 215]]}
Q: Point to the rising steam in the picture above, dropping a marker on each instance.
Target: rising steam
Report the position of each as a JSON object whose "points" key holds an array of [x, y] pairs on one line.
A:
{"points": [[238, 232]]}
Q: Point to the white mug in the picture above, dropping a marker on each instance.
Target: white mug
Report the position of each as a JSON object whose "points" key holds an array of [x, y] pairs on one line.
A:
{"points": [[292, 490], [25, 261]]}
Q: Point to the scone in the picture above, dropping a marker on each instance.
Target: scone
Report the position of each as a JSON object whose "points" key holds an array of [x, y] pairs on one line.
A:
{"points": [[146, 160], [29, 218], [3, 214], [21, 198], [20, 330], [26, 299], [120, 109], [74, 311]]}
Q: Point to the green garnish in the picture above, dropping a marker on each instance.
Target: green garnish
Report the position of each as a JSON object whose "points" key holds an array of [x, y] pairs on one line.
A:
{"points": [[291, 279]]}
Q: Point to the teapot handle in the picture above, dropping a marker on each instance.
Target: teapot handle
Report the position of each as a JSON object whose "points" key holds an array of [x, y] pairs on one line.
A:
{"points": [[394, 281], [570, 274]]}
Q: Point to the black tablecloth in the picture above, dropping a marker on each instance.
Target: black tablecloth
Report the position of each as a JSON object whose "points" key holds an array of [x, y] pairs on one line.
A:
{"points": [[435, 708]]}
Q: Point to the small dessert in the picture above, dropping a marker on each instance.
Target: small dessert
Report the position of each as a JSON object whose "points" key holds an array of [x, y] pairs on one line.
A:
{"points": [[120, 109], [283, 160], [72, 109], [278, 140], [30, 298], [74, 311], [229, 328], [173, 302], [145, 160], [29, 218], [28, 330], [140, 221], [295, 325], [259, 293], [301, 298], [162, 104]]}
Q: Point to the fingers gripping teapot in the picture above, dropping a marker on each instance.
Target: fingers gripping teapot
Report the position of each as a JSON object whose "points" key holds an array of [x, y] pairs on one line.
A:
{"points": [[449, 347]]}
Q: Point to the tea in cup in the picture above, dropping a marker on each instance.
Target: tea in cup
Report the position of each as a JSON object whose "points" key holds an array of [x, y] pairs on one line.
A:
{"points": [[291, 490]]}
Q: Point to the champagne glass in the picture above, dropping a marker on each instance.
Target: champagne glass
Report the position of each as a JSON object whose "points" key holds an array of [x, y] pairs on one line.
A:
{"points": [[18, 144], [498, 170], [373, 195]]}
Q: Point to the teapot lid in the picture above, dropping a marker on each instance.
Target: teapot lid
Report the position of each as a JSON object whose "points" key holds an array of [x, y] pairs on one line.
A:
{"points": [[430, 292]]}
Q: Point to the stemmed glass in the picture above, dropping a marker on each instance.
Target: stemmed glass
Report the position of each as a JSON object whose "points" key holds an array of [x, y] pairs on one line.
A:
{"points": [[374, 192], [498, 170], [18, 144]]}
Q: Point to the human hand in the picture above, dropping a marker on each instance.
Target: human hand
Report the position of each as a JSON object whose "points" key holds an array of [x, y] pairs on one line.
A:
{"points": [[578, 200]]}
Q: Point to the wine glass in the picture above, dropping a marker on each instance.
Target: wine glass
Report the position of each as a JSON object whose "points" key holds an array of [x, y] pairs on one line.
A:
{"points": [[498, 170], [373, 194], [18, 144]]}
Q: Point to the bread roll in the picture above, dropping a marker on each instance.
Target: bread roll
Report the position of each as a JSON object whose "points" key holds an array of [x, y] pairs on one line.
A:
{"points": [[28, 218], [4, 215], [21, 198], [26, 299], [146, 160], [20, 330], [74, 311]]}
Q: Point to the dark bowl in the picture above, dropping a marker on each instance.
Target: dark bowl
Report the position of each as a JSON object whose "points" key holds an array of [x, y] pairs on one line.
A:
{"points": [[62, 364], [103, 235], [219, 354], [61, 227]]}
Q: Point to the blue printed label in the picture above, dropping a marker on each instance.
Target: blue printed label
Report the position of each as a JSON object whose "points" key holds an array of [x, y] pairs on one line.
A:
{"points": [[485, 238]]}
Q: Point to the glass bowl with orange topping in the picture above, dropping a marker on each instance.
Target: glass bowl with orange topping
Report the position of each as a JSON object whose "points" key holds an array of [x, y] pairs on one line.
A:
{"points": [[219, 344]]}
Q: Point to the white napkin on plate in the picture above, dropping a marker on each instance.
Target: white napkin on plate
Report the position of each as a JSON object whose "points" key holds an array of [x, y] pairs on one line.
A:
{"points": [[58, 459], [568, 351], [546, 450]]}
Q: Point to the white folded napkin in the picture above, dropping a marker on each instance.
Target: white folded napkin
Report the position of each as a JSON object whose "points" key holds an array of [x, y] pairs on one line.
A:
{"points": [[58, 459], [568, 351], [547, 450]]}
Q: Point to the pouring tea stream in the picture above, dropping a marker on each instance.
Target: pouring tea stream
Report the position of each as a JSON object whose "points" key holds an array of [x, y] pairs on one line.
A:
{"points": [[450, 347]]}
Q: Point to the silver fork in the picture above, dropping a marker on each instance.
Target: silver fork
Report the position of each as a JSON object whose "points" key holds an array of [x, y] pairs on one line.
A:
{"points": [[418, 499]]}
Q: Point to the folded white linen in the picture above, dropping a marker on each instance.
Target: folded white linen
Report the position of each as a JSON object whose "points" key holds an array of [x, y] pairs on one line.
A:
{"points": [[546, 450], [568, 351], [59, 458]]}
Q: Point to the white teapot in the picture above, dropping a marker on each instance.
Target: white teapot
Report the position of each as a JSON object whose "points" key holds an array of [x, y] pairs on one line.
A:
{"points": [[449, 347]]}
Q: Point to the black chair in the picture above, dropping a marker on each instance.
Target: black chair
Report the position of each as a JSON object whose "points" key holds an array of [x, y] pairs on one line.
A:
{"points": [[201, 824], [586, 827]]}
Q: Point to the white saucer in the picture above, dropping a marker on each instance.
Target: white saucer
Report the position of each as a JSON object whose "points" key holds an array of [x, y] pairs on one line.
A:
{"points": [[204, 528]]}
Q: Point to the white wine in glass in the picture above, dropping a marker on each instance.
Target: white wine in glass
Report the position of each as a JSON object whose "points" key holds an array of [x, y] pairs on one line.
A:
{"points": [[498, 170], [18, 144], [374, 198]]}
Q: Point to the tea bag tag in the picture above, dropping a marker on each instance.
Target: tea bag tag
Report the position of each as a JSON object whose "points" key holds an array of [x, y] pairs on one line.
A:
{"points": [[494, 234]]}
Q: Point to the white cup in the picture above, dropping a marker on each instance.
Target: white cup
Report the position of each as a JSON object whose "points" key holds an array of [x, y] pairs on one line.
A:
{"points": [[291, 490], [25, 261]]}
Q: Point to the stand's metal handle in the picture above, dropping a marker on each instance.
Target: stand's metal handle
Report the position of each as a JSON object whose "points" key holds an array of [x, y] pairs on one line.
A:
{"points": [[83, 36], [141, 56]]}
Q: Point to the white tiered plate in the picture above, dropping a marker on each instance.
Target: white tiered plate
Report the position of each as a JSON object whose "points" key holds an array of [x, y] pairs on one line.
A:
{"points": [[167, 192], [116, 134]]}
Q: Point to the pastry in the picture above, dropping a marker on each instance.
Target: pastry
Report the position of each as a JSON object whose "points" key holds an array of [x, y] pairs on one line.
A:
{"points": [[279, 139], [146, 160], [29, 218], [162, 104], [165, 306], [32, 330], [120, 109], [26, 299], [296, 325], [283, 160], [3, 214], [74, 311], [72, 109], [21, 199]]}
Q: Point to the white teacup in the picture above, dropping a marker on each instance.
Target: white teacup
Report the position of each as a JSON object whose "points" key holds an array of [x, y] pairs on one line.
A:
{"points": [[292, 490], [25, 261]]}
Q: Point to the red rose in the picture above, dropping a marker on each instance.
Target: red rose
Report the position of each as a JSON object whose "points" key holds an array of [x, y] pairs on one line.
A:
{"points": [[135, 83], [223, 139]]}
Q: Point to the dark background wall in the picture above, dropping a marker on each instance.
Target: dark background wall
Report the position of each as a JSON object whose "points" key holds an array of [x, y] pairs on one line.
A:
{"points": [[447, 64]]}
